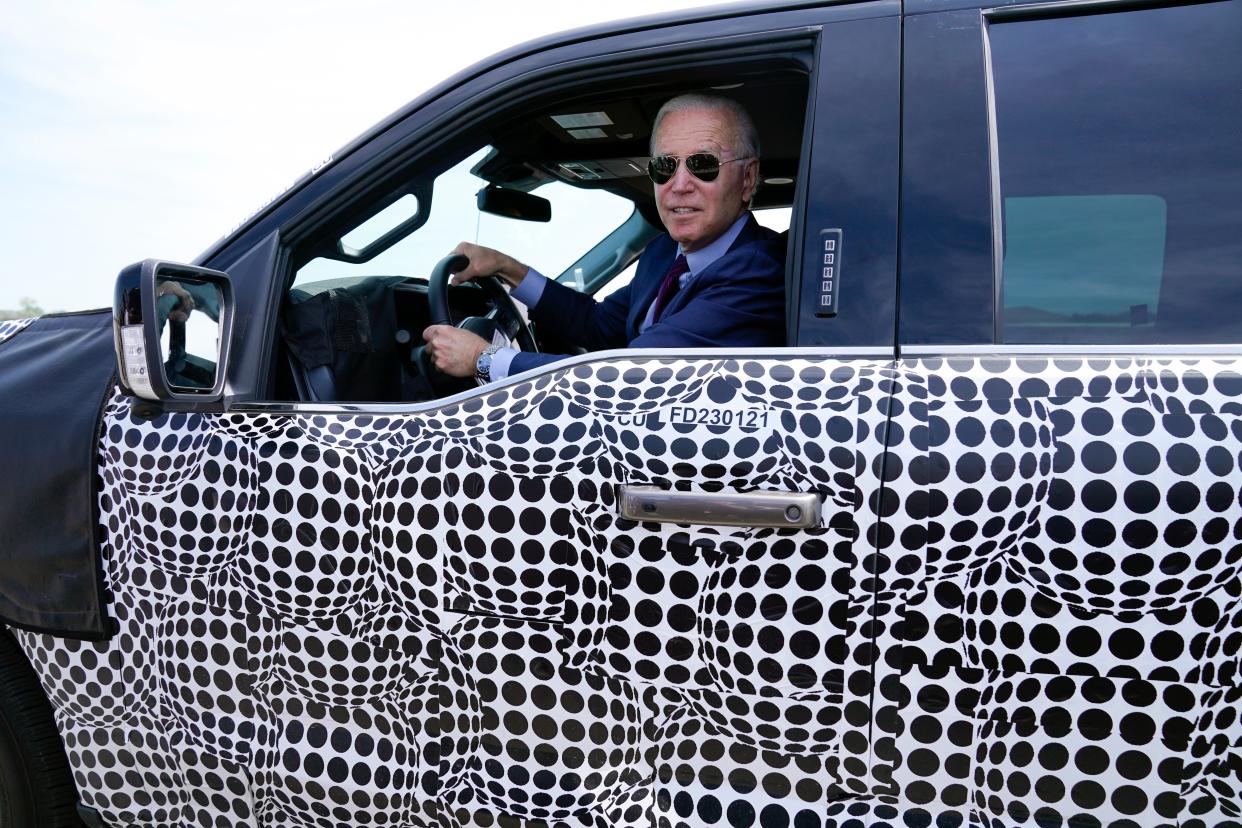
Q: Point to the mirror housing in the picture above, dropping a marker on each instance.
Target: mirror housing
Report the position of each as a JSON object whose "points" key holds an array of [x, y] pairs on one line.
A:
{"points": [[155, 298], [513, 204]]}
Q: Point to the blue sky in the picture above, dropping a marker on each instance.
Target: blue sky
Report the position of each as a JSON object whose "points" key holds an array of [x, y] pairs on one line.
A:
{"points": [[135, 129]]}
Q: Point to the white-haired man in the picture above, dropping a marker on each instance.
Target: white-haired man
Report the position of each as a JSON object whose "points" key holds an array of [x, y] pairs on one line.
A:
{"points": [[715, 278]]}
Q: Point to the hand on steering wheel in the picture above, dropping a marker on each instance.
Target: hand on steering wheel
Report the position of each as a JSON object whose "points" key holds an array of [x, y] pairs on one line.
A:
{"points": [[484, 261], [452, 353]]}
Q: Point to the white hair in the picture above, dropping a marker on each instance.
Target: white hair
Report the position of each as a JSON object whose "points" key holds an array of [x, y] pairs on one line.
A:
{"points": [[744, 132]]}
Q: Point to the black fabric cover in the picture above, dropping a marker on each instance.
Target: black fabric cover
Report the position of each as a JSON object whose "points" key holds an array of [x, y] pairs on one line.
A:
{"points": [[55, 376], [352, 331]]}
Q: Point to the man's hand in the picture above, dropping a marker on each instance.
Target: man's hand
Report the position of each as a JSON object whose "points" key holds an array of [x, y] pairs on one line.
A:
{"points": [[452, 350], [185, 302], [484, 262]]}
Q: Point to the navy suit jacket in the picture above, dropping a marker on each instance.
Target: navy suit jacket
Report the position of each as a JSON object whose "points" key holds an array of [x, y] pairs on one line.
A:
{"points": [[738, 300]]}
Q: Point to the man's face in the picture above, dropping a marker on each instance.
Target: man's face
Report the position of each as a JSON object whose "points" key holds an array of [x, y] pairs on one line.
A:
{"points": [[697, 212]]}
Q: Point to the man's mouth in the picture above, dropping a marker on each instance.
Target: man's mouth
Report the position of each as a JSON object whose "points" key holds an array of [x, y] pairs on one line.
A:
{"points": [[682, 211]]}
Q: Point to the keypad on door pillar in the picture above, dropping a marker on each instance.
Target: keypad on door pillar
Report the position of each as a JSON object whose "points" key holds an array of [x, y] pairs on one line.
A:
{"points": [[828, 262]]}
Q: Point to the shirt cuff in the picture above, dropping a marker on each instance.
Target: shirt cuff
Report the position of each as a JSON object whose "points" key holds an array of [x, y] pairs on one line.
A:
{"points": [[501, 360], [530, 289]]}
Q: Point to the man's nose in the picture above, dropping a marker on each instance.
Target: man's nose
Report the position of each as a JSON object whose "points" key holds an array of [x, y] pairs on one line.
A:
{"points": [[682, 181]]}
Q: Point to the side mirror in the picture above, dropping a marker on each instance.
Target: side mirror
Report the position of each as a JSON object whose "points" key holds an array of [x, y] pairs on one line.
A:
{"points": [[172, 324], [513, 204]]}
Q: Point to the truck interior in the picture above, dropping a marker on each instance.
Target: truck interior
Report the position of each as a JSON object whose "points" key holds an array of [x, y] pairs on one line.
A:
{"points": [[561, 187]]}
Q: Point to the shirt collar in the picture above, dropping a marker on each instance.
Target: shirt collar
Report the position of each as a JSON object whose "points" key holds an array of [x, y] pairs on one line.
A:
{"points": [[702, 258]]}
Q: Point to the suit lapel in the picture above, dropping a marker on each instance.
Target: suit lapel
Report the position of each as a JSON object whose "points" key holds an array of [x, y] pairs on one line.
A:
{"points": [[647, 279], [749, 233]]}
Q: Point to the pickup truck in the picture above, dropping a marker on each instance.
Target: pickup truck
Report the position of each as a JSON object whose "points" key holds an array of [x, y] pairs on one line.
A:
{"points": [[965, 550]]}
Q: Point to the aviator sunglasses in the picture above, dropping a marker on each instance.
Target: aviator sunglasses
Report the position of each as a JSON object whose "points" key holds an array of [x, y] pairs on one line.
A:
{"points": [[702, 165]]}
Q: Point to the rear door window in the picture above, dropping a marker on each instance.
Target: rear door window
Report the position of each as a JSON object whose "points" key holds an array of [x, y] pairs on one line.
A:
{"points": [[1121, 197], [1083, 262]]}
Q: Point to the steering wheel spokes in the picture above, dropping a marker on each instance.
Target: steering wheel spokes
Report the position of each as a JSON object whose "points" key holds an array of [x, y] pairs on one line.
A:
{"points": [[510, 326], [504, 314]]}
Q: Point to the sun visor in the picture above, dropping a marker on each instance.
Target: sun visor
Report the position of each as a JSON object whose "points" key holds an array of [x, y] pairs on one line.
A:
{"points": [[55, 376]]}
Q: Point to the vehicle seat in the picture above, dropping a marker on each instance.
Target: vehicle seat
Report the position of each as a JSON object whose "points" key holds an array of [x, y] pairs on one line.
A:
{"points": [[341, 342]]}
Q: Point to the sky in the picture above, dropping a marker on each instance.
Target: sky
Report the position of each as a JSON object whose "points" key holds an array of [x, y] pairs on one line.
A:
{"points": [[133, 129]]}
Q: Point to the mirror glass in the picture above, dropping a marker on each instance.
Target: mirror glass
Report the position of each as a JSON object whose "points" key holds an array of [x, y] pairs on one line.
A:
{"points": [[188, 314]]}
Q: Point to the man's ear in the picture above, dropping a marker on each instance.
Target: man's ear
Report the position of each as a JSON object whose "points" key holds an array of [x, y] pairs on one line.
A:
{"points": [[750, 181]]}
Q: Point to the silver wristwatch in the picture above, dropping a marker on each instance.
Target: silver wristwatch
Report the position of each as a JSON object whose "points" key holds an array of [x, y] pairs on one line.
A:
{"points": [[483, 366]]}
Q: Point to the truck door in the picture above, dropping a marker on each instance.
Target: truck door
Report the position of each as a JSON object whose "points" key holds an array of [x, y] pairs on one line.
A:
{"points": [[1058, 619], [435, 611]]}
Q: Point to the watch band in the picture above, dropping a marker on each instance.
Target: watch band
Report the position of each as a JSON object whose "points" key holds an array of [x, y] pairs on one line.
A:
{"points": [[483, 365]]}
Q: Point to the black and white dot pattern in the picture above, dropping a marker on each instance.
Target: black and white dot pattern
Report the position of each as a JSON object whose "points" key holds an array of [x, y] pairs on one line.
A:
{"points": [[1056, 640], [9, 327], [1023, 606]]}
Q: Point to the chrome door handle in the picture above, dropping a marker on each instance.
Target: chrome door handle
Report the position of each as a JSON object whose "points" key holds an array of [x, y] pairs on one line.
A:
{"points": [[788, 510]]}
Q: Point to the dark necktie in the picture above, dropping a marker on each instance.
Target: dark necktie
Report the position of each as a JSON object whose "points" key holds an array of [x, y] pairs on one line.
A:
{"points": [[670, 286]]}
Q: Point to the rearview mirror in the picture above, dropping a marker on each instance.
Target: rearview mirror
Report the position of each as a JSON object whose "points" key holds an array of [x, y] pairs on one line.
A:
{"points": [[514, 204], [171, 324]]}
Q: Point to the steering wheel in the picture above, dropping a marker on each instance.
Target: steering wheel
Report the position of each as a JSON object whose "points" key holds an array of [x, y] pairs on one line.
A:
{"points": [[505, 314]]}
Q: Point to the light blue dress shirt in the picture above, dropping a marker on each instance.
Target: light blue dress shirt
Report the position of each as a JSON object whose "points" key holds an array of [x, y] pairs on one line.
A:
{"points": [[533, 284]]}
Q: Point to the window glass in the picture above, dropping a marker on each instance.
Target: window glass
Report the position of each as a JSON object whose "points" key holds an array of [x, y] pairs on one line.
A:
{"points": [[774, 218], [382, 222], [619, 281], [580, 219], [1052, 241], [1121, 176]]}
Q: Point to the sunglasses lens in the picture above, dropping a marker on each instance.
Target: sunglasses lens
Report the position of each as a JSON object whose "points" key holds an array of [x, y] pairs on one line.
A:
{"points": [[661, 168], [703, 166]]}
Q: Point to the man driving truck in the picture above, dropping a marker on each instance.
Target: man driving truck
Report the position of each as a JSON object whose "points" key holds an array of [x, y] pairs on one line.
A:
{"points": [[715, 278]]}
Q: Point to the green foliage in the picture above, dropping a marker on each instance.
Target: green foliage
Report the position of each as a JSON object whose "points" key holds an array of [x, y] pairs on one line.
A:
{"points": [[26, 307]]}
